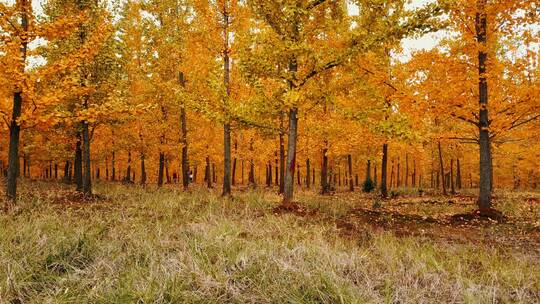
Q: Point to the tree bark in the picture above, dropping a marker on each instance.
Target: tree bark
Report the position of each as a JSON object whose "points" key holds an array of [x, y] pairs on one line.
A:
{"points": [[281, 155], [87, 176], [15, 128], [13, 157], [291, 157], [226, 125], [458, 174], [484, 199], [349, 162], [184, 140], [384, 171], [308, 173], [325, 186], [441, 164], [452, 184], [207, 173], [77, 167]]}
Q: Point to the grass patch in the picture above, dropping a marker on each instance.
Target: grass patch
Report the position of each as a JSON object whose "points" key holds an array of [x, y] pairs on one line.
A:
{"points": [[165, 246]]}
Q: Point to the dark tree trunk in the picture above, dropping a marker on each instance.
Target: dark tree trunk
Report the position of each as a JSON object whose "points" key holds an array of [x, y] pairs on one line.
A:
{"points": [[406, 170], [441, 164], [208, 173], [161, 169], [167, 175], [392, 175], [375, 181], [55, 171], [484, 199], [127, 178], [143, 170], [384, 165], [251, 175], [87, 176], [458, 174], [452, 183], [77, 168], [349, 162], [66, 172], [398, 177], [226, 83], [233, 176], [308, 173], [14, 127], [298, 174], [13, 156], [269, 183], [276, 168], [414, 174], [288, 193], [325, 186], [113, 164], [24, 164], [281, 156], [184, 139]]}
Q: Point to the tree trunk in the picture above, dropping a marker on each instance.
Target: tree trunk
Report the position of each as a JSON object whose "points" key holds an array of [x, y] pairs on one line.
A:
{"points": [[226, 83], [207, 173], [113, 164], [291, 157], [458, 174], [184, 141], [406, 170], [15, 128], [441, 164], [484, 199], [349, 162], [77, 168], [325, 186], [308, 173], [452, 185], [281, 156], [143, 170], [233, 176], [127, 178], [87, 176], [384, 170], [66, 172], [13, 157]]}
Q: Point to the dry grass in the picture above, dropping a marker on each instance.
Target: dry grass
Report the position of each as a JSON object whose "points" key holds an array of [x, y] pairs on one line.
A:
{"points": [[148, 246]]}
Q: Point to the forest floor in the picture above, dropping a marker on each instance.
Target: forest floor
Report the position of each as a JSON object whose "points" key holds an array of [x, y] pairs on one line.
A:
{"points": [[141, 245]]}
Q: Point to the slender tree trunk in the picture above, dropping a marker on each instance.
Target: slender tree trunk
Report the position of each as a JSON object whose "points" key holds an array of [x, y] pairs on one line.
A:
{"points": [[276, 168], [184, 140], [291, 157], [66, 172], [113, 164], [441, 164], [143, 170], [128, 172], [484, 199], [77, 168], [458, 174], [398, 177], [14, 127], [87, 176], [349, 162], [406, 170], [233, 176], [13, 158], [452, 184], [384, 170], [226, 83], [308, 174], [281, 156], [208, 173], [325, 187]]}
